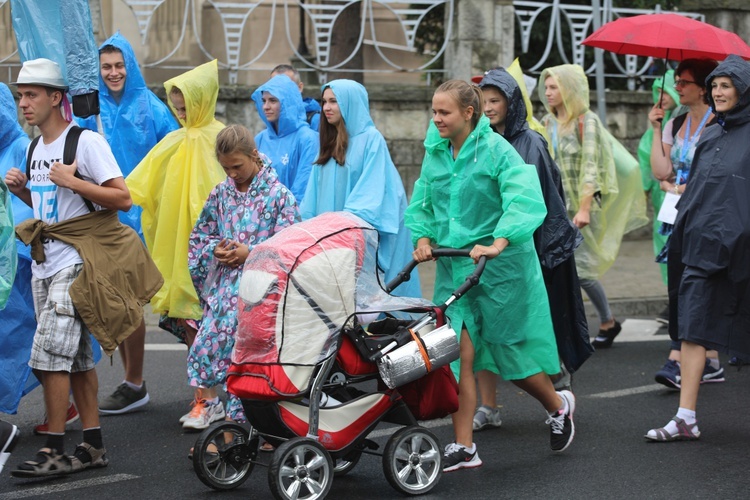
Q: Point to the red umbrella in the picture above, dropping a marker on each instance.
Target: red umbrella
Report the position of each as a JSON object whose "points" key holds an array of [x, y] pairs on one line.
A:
{"points": [[667, 36]]}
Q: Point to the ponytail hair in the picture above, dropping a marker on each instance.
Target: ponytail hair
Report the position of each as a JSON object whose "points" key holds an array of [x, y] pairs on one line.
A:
{"points": [[465, 94], [237, 139]]}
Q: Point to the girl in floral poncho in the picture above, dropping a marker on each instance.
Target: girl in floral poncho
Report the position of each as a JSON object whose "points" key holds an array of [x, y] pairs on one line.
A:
{"points": [[250, 206]]}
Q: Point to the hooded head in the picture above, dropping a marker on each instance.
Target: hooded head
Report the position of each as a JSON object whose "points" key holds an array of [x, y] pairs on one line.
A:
{"points": [[573, 86], [133, 79], [353, 104], [200, 88], [738, 70], [515, 118], [292, 113], [10, 129]]}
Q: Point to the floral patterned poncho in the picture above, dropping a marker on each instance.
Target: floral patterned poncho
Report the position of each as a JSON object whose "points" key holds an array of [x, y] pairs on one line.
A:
{"points": [[250, 218]]}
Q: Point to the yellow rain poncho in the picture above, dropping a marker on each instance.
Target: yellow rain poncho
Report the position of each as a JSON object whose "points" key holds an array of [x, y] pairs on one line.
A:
{"points": [[172, 184], [517, 73], [592, 163]]}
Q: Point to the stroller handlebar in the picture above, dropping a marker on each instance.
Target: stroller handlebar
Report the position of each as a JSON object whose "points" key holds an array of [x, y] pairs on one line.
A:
{"points": [[471, 280]]}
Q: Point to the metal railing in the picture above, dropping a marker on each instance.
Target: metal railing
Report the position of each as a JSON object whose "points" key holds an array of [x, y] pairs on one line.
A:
{"points": [[565, 25]]}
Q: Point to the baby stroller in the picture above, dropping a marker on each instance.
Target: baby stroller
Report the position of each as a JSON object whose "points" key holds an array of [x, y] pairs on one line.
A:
{"points": [[313, 381]]}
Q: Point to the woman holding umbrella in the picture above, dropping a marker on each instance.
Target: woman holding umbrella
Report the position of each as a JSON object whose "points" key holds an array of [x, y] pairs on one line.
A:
{"points": [[671, 161], [708, 249]]}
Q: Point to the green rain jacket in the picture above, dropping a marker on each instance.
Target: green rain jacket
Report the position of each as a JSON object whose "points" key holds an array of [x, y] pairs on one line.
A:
{"points": [[650, 184], [593, 162], [488, 192]]}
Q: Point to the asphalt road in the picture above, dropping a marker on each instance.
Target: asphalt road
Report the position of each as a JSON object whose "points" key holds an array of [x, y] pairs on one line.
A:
{"points": [[617, 402]]}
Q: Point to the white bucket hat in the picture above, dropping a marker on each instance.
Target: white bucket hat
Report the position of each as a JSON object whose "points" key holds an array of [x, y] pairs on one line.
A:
{"points": [[41, 72]]}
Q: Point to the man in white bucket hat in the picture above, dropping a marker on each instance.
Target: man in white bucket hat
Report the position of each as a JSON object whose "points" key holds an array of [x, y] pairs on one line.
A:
{"points": [[61, 353]]}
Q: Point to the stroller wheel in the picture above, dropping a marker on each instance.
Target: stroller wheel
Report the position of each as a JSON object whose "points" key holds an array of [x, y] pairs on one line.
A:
{"points": [[223, 455], [345, 464], [412, 460], [301, 469]]}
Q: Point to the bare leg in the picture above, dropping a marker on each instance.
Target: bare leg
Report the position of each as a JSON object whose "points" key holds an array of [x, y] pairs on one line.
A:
{"points": [[691, 368], [85, 388], [56, 387], [540, 387], [487, 382], [675, 355], [467, 394], [132, 353]]}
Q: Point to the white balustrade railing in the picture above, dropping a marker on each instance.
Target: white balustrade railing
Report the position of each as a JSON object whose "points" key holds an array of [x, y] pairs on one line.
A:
{"points": [[568, 25]]}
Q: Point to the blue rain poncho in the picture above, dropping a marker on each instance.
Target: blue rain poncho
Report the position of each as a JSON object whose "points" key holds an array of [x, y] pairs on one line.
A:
{"points": [[133, 125], [367, 185], [17, 320], [593, 163], [292, 146], [312, 113], [650, 184], [172, 184], [461, 203]]}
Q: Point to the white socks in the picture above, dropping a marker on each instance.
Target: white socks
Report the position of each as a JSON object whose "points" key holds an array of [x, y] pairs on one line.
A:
{"points": [[687, 415], [133, 386]]}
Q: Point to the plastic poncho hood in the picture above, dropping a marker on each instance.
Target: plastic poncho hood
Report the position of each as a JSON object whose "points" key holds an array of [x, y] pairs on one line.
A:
{"points": [[10, 130], [738, 70], [172, 184], [292, 115], [515, 118], [353, 104], [574, 89]]}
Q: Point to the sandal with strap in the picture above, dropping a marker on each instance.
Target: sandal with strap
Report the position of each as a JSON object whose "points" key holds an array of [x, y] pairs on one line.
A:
{"points": [[684, 432], [88, 457], [47, 463]]}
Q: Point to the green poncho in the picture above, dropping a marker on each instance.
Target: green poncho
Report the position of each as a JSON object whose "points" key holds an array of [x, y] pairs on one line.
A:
{"points": [[8, 258], [650, 184], [488, 192], [592, 161]]}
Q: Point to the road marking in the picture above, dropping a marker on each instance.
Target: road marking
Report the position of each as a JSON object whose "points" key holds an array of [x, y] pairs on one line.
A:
{"points": [[642, 330], [166, 347], [627, 392], [57, 488]]}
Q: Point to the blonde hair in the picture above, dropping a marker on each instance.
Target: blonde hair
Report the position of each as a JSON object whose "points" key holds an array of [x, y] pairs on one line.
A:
{"points": [[465, 95], [237, 139]]}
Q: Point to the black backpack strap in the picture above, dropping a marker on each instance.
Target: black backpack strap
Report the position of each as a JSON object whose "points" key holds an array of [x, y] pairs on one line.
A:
{"points": [[676, 124], [32, 146], [69, 156]]}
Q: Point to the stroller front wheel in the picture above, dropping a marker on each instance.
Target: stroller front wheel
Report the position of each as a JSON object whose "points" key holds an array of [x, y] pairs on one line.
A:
{"points": [[301, 469], [223, 455], [412, 460]]}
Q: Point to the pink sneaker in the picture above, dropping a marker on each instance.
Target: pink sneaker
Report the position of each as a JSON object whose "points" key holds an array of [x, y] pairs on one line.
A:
{"points": [[43, 428]]}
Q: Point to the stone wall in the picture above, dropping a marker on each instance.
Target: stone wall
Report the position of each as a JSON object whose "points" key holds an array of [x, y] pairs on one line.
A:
{"points": [[403, 113]]}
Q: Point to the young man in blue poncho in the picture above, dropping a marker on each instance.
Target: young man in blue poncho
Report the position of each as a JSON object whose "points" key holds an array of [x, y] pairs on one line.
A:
{"points": [[288, 141], [312, 108], [134, 120]]}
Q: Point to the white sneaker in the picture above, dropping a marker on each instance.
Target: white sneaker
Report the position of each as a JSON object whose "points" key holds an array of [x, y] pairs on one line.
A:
{"points": [[187, 415], [203, 414]]}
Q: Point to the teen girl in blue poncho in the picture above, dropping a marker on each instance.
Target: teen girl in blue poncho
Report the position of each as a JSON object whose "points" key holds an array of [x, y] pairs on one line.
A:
{"points": [[355, 173]]}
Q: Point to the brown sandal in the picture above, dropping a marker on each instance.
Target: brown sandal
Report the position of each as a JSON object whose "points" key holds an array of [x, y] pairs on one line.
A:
{"points": [[47, 463], [97, 458]]}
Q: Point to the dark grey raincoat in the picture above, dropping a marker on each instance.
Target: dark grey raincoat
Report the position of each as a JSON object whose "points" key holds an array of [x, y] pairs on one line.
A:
{"points": [[557, 237], [709, 259]]}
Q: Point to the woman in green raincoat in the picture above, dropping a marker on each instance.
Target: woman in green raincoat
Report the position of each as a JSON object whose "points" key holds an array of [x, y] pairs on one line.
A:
{"points": [[475, 192], [601, 181], [668, 102]]}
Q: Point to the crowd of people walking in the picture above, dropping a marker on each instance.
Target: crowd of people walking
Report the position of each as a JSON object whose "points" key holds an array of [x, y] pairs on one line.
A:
{"points": [[546, 203]]}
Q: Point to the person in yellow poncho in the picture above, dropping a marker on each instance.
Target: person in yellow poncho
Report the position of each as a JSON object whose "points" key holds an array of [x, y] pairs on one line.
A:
{"points": [[172, 184], [601, 181]]}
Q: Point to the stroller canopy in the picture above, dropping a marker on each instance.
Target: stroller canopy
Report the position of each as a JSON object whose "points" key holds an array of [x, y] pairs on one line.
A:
{"points": [[300, 287]]}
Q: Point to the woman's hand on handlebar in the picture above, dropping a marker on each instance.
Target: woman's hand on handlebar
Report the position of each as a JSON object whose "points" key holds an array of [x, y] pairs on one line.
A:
{"points": [[423, 252], [490, 252]]}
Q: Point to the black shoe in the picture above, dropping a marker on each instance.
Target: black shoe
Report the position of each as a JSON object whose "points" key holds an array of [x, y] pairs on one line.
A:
{"points": [[606, 337], [562, 429]]}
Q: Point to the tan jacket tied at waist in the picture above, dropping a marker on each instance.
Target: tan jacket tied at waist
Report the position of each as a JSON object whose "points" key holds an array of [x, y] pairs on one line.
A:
{"points": [[118, 275]]}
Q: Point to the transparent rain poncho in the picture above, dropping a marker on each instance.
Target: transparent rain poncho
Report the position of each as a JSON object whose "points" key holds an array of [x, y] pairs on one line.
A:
{"points": [[593, 163], [299, 289], [172, 184]]}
